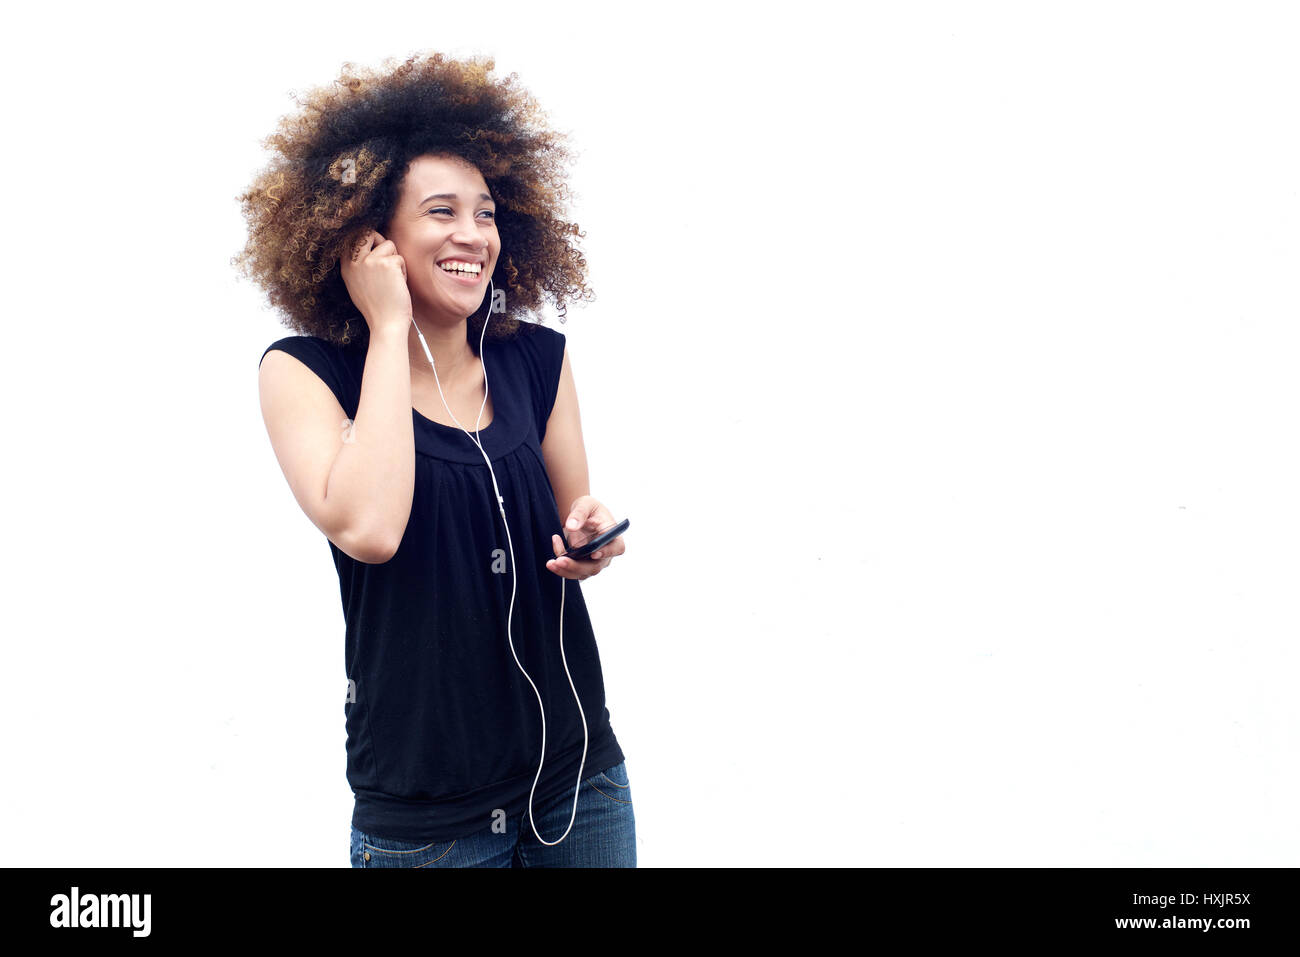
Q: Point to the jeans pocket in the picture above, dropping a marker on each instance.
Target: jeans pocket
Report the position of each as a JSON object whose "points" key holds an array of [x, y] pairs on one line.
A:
{"points": [[386, 852], [613, 783]]}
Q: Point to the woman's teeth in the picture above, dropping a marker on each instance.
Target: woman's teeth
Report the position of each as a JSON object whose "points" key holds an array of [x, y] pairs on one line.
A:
{"points": [[466, 269]]}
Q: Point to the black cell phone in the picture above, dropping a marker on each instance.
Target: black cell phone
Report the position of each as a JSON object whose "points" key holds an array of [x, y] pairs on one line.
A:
{"points": [[602, 537]]}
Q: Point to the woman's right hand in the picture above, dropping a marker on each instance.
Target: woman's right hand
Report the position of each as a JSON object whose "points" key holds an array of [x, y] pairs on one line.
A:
{"points": [[375, 277]]}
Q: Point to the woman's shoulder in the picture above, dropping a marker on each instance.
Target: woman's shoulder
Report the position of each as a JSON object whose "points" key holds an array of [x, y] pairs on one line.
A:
{"points": [[301, 343], [527, 331], [335, 365], [542, 345]]}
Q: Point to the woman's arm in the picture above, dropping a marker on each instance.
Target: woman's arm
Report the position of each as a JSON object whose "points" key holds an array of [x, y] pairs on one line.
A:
{"points": [[562, 448], [357, 488], [566, 464]]}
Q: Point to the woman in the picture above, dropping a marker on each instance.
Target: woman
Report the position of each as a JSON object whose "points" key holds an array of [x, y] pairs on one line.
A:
{"points": [[433, 435]]}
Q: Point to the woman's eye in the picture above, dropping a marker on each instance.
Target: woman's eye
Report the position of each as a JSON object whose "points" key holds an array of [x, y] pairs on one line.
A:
{"points": [[445, 209]]}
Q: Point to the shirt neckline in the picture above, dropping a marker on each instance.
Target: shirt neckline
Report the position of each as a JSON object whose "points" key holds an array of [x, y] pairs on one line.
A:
{"points": [[481, 433], [509, 425]]}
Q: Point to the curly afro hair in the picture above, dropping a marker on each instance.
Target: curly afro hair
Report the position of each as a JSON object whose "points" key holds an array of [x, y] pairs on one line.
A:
{"points": [[339, 172]]}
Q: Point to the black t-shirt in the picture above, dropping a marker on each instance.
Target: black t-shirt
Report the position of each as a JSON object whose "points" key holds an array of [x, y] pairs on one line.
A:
{"points": [[444, 729]]}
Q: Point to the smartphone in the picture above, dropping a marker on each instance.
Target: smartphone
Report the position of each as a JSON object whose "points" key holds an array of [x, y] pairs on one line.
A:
{"points": [[601, 538]]}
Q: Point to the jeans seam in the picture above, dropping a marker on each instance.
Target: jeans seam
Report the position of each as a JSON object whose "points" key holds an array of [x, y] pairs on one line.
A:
{"points": [[610, 796], [414, 850], [439, 857]]}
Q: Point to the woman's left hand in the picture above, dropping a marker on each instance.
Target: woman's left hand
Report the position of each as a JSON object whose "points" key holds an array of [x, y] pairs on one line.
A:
{"points": [[586, 518]]}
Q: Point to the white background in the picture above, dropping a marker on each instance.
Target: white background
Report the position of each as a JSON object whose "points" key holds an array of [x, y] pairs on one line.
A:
{"points": [[944, 358]]}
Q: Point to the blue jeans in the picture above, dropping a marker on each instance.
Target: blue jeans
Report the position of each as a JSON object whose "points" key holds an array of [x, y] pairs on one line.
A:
{"points": [[603, 835]]}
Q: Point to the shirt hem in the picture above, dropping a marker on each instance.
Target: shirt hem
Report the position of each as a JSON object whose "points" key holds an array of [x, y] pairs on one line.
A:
{"points": [[386, 815]]}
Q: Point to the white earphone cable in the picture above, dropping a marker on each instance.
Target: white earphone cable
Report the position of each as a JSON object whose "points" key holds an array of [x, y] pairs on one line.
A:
{"points": [[515, 580]]}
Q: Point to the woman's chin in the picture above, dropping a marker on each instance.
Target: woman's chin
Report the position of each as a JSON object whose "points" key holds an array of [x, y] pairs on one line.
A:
{"points": [[447, 310]]}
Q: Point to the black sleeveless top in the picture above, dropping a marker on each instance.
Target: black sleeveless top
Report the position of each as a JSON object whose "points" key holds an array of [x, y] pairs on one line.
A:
{"points": [[443, 730]]}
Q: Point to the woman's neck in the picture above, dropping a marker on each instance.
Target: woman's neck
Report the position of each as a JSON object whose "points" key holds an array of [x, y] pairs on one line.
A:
{"points": [[451, 352]]}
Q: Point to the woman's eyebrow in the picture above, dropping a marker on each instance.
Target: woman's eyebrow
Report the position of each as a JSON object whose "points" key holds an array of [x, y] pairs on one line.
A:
{"points": [[451, 196]]}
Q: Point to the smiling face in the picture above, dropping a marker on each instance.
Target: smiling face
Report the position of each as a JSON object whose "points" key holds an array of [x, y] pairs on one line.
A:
{"points": [[445, 230]]}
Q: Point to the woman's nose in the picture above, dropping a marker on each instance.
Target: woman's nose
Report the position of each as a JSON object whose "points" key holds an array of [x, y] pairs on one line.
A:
{"points": [[470, 236]]}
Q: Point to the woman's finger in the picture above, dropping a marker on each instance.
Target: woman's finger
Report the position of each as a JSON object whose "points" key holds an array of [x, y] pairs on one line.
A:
{"points": [[579, 569], [612, 550]]}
